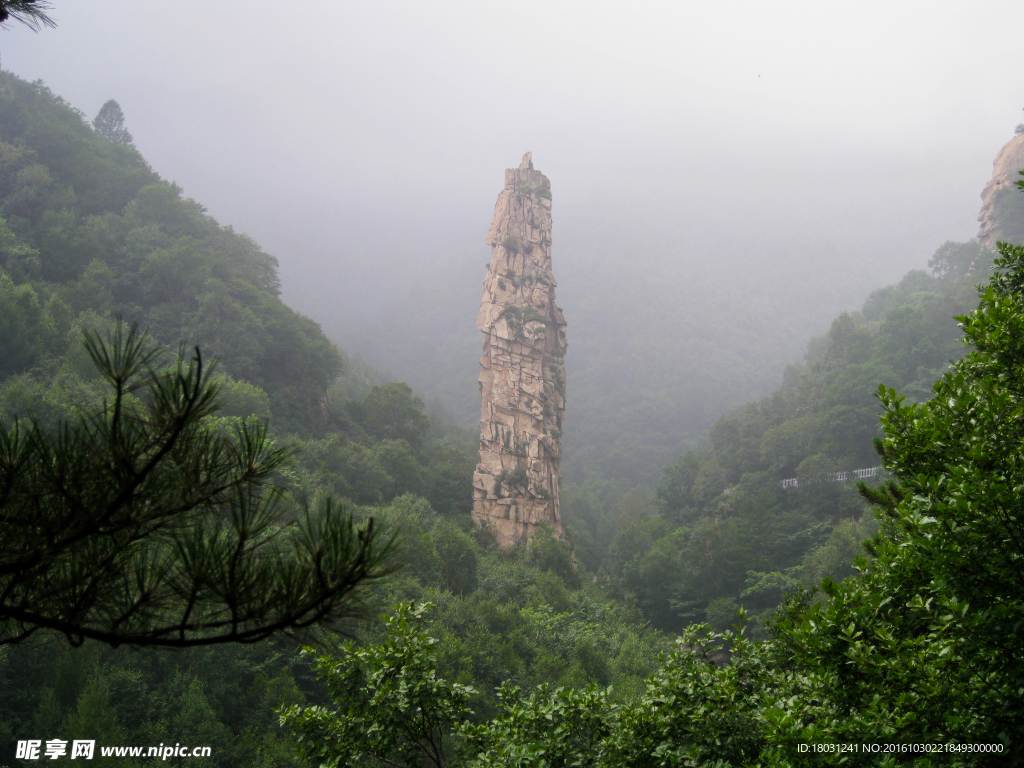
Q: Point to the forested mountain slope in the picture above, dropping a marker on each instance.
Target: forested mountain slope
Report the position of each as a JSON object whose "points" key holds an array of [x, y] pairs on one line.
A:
{"points": [[910, 660], [88, 232], [726, 532]]}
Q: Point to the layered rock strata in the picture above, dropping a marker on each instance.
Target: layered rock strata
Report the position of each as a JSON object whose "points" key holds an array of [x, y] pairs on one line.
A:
{"points": [[1005, 175], [522, 385]]}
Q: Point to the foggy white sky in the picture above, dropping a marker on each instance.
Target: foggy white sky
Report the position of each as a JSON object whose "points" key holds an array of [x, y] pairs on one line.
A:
{"points": [[363, 143]]}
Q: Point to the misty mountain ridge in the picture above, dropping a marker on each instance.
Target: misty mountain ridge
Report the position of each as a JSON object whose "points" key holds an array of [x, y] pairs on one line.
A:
{"points": [[761, 222], [664, 338], [88, 231], [656, 356], [660, 345]]}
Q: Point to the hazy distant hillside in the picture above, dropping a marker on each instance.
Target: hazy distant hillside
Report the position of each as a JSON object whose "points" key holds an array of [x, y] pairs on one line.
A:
{"points": [[727, 533], [88, 231], [659, 346]]}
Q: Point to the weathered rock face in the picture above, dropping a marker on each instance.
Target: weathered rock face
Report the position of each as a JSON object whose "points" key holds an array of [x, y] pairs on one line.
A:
{"points": [[1008, 162], [517, 482]]}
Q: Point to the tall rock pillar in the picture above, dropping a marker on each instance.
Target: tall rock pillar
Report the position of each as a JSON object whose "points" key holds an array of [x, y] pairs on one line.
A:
{"points": [[517, 483]]}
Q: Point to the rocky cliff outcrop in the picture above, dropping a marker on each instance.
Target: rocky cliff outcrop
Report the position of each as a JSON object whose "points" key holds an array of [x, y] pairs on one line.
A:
{"points": [[1005, 176], [517, 482]]}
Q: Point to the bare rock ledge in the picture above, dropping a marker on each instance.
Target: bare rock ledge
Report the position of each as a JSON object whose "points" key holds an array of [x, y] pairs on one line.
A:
{"points": [[1005, 175]]}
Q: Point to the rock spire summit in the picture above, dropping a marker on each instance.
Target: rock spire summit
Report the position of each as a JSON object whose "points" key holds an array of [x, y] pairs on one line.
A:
{"points": [[516, 485]]}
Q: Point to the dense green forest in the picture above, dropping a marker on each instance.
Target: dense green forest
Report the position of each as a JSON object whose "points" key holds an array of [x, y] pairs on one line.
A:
{"points": [[89, 233], [553, 653], [723, 531]]}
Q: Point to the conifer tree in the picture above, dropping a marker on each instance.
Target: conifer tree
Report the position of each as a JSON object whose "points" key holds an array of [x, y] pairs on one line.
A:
{"points": [[109, 123], [31, 13], [143, 525]]}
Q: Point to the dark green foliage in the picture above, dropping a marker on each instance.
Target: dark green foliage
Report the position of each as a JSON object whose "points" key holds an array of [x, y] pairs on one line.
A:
{"points": [[138, 524], [89, 231], [449, 482], [352, 470], [396, 698], [547, 553], [364, 462], [551, 727], [242, 399], [391, 705], [55, 161], [88, 222], [676, 492], [919, 648], [109, 123], [224, 697], [31, 13], [518, 318], [727, 529], [392, 412], [511, 478], [523, 615], [511, 244], [458, 555], [21, 324], [956, 263], [1008, 214]]}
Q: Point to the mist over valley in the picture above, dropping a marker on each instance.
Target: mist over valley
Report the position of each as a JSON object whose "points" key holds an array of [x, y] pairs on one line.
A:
{"points": [[691, 436]]}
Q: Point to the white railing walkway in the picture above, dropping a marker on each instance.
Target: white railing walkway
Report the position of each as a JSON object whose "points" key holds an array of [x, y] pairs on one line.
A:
{"points": [[833, 477]]}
